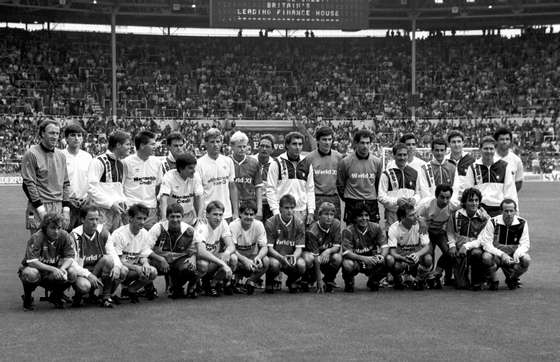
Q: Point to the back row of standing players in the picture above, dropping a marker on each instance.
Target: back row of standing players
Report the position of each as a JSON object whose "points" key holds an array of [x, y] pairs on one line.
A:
{"points": [[423, 202]]}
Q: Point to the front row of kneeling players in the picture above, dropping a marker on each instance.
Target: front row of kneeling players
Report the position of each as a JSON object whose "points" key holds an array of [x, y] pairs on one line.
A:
{"points": [[213, 257]]}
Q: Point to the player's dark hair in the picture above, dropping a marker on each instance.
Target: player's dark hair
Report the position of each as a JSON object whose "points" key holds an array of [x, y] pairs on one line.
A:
{"points": [[455, 133], [172, 137], [51, 218], [503, 131], [116, 138], [136, 209], [399, 146], [358, 210], [143, 138], [508, 201], [291, 136], [469, 194], [174, 209], [267, 137], [443, 188], [287, 200], [72, 129], [213, 205], [362, 133], [322, 132], [84, 211], [439, 141], [407, 136], [247, 205], [184, 160], [403, 209], [487, 139], [43, 125]]}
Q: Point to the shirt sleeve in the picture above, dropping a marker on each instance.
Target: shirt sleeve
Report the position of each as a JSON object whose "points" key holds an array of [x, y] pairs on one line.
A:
{"points": [[392, 236], [257, 177], [231, 166], [389, 202], [486, 238], [33, 250], [519, 171], [300, 233], [347, 244], [111, 249], [510, 191], [424, 239], [380, 238], [146, 245], [198, 189], [29, 176], [271, 184], [271, 233], [311, 242], [65, 183], [261, 235], [97, 195], [68, 249], [310, 190], [165, 188], [154, 234], [524, 242], [424, 189], [451, 241], [341, 178], [201, 233]]}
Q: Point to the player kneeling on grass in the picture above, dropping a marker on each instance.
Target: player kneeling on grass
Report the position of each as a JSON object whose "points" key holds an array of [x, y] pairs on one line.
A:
{"points": [[215, 235], [286, 240], [364, 251], [131, 244], [322, 245], [96, 269], [249, 237], [463, 228], [175, 253], [48, 262], [505, 240], [410, 251]]}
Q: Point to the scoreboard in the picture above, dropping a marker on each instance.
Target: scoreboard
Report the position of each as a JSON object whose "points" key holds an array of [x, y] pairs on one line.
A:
{"points": [[289, 14]]}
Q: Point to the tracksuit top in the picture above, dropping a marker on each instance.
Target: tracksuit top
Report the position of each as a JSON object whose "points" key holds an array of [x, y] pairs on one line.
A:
{"points": [[496, 233], [461, 228], [433, 174], [495, 182], [105, 178], [290, 177], [172, 245], [396, 183]]}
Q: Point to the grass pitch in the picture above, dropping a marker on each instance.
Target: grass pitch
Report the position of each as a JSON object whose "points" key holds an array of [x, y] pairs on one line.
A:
{"points": [[389, 325]]}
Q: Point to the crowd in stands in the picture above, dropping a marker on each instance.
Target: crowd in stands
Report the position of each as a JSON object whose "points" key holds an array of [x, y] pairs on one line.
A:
{"points": [[65, 73], [479, 82]]}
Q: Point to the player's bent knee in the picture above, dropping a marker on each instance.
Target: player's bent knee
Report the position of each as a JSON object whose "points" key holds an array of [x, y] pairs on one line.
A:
{"points": [[348, 265], [265, 262], [487, 259], [274, 265], [427, 260], [202, 266], [336, 259], [30, 275], [525, 261], [82, 285], [301, 265]]}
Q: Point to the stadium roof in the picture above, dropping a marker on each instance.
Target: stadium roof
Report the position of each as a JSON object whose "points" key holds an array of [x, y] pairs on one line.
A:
{"points": [[383, 14]]}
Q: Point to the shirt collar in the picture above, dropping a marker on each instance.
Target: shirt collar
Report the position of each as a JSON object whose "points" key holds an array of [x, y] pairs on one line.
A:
{"points": [[47, 150]]}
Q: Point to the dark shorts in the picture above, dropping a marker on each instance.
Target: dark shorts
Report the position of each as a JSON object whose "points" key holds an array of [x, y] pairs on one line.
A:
{"points": [[352, 207], [492, 210]]}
